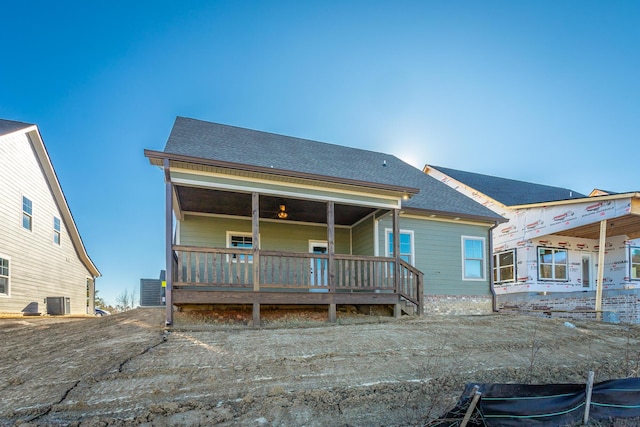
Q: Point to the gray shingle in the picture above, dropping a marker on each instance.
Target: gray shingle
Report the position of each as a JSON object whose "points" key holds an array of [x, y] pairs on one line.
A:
{"points": [[214, 141], [510, 192], [8, 126]]}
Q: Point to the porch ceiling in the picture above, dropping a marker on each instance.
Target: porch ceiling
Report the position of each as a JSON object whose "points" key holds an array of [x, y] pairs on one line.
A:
{"points": [[625, 225], [194, 199]]}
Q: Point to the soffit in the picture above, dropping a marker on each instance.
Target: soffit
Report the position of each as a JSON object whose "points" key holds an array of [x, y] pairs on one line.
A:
{"points": [[289, 177], [628, 225], [282, 188], [218, 202]]}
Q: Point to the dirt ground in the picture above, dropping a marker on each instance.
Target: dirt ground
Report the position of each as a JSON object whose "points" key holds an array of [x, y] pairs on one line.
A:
{"points": [[297, 370]]}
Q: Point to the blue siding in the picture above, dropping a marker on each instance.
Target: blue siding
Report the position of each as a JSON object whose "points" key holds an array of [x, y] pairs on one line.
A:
{"points": [[438, 254]]}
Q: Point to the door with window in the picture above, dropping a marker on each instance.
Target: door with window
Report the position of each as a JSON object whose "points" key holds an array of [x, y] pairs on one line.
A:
{"points": [[586, 279], [319, 266]]}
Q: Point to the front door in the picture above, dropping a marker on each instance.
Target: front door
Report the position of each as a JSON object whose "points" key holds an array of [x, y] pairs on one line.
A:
{"points": [[318, 267], [586, 271]]}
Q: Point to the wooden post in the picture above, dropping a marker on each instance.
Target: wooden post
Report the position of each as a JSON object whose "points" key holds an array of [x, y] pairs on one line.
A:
{"points": [[255, 246], [397, 310], [255, 242], [331, 248], [332, 313], [587, 404], [256, 314], [421, 295], [472, 406], [168, 233], [396, 249], [599, 284]]}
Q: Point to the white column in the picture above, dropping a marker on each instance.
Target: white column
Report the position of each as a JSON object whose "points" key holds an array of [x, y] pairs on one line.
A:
{"points": [[601, 250]]}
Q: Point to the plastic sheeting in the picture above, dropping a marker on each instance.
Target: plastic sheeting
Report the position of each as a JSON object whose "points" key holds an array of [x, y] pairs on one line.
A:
{"points": [[509, 405]]}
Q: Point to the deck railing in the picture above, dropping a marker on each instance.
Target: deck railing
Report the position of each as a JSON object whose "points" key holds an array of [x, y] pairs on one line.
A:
{"points": [[233, 268]]}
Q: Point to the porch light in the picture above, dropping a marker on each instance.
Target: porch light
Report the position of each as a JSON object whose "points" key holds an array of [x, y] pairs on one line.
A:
{"points": [[283, 212]]}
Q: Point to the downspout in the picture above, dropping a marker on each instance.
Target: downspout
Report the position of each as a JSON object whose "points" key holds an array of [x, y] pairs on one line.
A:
{"points": [[494, 297], [168, 242]]}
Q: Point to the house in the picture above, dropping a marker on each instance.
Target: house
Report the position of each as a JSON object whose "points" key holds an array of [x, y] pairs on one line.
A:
{"points": [[561, 252], [262, 218], [44, 266]]}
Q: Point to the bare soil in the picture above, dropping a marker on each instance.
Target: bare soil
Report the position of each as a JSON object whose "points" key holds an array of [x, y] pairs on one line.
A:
{"points": [[215, 369]]}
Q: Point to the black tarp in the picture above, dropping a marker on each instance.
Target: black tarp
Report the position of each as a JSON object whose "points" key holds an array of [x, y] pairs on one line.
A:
{"points": [[616, 399], [510, 405]]}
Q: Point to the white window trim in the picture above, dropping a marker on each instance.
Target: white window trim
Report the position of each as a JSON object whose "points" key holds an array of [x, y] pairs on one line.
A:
{"points": [[387, 233], [497, 267], [631, 262], [484, 258], [240, 233], [552, 279], [376, 237], [22, 213], [57, 232], [8, 294], [323, 243]]}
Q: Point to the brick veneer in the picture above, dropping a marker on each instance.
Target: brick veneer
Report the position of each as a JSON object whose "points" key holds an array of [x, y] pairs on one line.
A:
{"points": [[617, 305]]}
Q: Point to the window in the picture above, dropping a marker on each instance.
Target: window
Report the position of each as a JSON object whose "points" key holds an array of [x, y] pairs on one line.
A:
{"points": [[504, 266], [473, 258], [635, 263], [4, 276], [56, 230], [27, 213], [552, 264], [406, 245], [240, 241]]}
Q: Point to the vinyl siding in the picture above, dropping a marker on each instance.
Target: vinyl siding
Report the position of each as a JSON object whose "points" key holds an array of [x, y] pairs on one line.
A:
{"points": [[290, 237], [438, 254], [38, 267], [363, 238]]}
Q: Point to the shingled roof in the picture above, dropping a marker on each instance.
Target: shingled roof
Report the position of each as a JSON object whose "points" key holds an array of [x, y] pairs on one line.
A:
{"points": [[510, 192], [213, 141], [8, 126]]}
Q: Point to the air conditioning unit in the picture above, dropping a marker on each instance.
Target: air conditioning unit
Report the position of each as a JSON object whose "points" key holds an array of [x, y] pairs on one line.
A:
{"points": [[58, 305]]}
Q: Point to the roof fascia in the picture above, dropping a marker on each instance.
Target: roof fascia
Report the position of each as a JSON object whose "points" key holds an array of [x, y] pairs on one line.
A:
{"points": [[432, 214], [633, 195], [160, 155], [33, 135]]}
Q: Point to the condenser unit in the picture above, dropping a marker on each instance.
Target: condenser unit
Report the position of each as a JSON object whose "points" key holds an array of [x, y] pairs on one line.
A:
{"points": [[58, 305]]}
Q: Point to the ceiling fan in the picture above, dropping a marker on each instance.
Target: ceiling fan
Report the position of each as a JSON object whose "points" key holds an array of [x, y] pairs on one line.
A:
{"points": [[282, 213]]}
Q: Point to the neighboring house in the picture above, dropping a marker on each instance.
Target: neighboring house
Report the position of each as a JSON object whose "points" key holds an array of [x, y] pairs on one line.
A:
{"points": [[269, 219], [559, 245], [41, 252]]}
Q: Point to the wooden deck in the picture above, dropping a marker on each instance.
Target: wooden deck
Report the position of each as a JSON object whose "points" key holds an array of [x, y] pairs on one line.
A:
{"points": [[248, 276]]}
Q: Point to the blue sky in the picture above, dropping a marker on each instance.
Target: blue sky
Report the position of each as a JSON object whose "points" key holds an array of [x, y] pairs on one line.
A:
{"points": [[542, 91]]}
